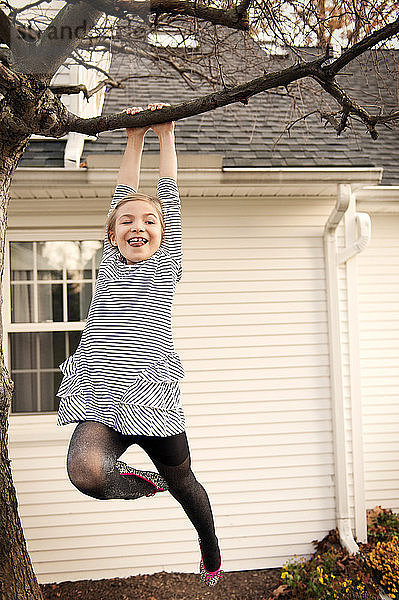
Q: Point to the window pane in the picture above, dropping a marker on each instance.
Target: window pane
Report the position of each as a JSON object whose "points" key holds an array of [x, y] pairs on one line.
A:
{"points": [[79, 297], [49, 275], [98, 257], [71, 255], [48, 388], [79, 274], [21, 260], [39, 354], [23, 351], [50, 302], [74, 339], [22, 303], [50, 260], [42, 274], [52, 348], [57, 378], [24, 397]]}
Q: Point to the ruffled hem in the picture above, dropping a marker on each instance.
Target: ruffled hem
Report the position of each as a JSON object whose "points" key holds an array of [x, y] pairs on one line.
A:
{"points": [[151, 405], [143, 420], [128, 420], [165, 370], [70, 384]]}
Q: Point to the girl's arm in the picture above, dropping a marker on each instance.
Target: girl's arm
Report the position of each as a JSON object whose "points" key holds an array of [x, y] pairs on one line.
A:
{"points": [[168, 192], [167, 154], [129, 172]]}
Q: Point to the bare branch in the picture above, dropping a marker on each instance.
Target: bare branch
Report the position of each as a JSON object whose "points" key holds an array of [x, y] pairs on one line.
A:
{"points": [[120, 8], [7, 29], [25, 7], [242, 8], [349, 106], [366, 43], [164, 54], [81, 61], [239, 93], [60, 90], [54, 47], [394, 116]]}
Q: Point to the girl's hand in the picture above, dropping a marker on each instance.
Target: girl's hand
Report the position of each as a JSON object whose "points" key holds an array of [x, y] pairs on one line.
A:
{"points": [[135, 131], [161, 128]]}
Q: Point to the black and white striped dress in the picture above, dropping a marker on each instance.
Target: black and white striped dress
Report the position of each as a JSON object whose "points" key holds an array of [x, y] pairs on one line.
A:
{"points": [[125, 372]]}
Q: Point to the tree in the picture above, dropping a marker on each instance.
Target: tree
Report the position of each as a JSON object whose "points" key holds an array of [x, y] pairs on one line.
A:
{"points": [[227, 32]]}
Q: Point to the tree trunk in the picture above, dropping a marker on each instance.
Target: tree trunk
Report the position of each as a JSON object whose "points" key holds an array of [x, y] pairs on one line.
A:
{"points": [[17, 578]]}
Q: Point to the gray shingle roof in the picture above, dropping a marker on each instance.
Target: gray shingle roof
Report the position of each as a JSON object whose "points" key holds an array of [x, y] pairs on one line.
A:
{"points": [[254, 135], [43, 153]]}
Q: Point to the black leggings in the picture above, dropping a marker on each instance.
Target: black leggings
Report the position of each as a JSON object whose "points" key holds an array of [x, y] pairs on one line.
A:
{"points": [[91, 464]]}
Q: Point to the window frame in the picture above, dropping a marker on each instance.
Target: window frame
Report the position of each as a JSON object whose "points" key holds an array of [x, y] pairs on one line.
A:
{"points": [[37, 235]]}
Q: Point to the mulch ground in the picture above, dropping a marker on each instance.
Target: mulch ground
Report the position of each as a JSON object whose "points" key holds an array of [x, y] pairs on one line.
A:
{"points": [[237, 585]]}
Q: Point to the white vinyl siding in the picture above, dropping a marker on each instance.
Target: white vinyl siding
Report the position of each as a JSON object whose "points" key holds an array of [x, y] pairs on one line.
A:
{"points": [[250, 324], [379, 335]]}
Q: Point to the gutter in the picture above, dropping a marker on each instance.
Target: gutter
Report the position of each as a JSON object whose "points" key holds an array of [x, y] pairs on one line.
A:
{"points": [[333, 260]]}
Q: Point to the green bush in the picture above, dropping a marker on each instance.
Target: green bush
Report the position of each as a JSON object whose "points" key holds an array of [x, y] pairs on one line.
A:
{"points": [[333, 574]]}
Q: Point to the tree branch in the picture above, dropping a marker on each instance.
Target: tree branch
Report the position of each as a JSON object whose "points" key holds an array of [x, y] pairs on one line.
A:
{"points": [[5, 25], [366, 43], [239, 93], [120, 8], [60, 90], [158, 54], [243, 7], [349, 106], [81, 61], [60, 38], [7, 29], [8, 79], [394, 116]]}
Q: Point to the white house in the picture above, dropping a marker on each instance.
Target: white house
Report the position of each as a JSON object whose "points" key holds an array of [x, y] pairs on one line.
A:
{"points": [[286, 319]]}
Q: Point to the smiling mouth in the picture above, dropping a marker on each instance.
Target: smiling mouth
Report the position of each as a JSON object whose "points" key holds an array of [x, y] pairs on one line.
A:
{"points": [[137, 241]]}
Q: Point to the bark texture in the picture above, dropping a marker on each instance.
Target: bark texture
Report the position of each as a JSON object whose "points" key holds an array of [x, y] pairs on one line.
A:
{"points": [[17, 578]]}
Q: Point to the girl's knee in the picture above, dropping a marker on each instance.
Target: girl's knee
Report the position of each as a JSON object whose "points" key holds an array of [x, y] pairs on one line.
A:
{"points": [[88, 473]]}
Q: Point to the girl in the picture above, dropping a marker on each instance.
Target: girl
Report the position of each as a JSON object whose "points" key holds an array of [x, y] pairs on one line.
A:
{"points": [[121, 385]]}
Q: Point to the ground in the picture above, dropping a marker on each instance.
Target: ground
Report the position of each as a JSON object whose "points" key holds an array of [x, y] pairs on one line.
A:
{"points": [[237, 585]]}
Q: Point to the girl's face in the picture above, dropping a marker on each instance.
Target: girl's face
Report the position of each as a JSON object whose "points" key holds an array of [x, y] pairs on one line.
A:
{"points": [[138, 232]]}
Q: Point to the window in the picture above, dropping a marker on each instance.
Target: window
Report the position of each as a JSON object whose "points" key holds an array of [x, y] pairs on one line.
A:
{"points": [[50, 288]]}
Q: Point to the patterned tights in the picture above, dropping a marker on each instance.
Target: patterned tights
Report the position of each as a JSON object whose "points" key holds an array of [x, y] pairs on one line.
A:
{"points": [[91, 463]]}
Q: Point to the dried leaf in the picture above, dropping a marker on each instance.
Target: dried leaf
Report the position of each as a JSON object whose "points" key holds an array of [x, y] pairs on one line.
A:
{"points": [[278, 591], [372, 514]]}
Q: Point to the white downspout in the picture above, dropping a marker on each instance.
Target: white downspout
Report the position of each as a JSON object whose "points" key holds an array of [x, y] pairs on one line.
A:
{"points": [[357, 233], [332, 261], [73, 149]]}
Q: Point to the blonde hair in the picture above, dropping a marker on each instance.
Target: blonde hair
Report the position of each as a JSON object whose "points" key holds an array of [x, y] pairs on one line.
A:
{"points": [[111, 219]]}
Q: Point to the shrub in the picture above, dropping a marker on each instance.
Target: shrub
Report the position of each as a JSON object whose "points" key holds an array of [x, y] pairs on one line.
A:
{"points": [[331, 575], [382, 525], [383, 563]]}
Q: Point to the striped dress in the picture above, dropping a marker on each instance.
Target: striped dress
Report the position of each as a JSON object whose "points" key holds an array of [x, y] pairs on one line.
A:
{"points": [[125, 372]]}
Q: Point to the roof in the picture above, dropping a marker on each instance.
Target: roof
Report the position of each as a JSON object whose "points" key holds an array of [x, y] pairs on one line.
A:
{"points": [[43, 153], [254, 135]]}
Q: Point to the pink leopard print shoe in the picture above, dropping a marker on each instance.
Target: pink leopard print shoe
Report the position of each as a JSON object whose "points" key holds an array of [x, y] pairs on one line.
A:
{"points": [[159, 483], [210, 578]]}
